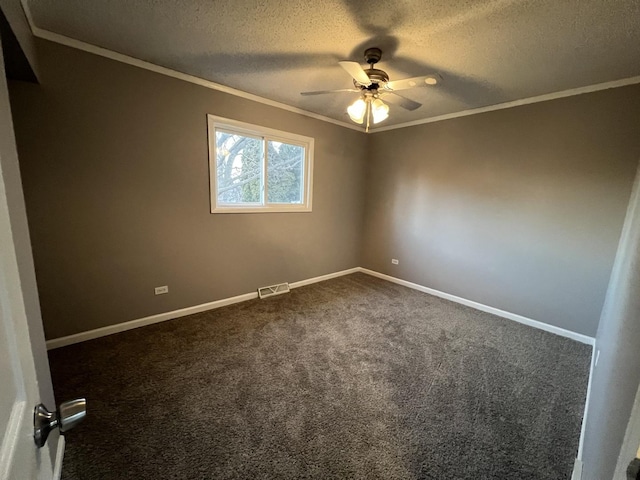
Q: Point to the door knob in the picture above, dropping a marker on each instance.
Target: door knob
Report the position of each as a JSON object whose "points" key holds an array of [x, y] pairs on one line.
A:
{"points": [[68, 415]]}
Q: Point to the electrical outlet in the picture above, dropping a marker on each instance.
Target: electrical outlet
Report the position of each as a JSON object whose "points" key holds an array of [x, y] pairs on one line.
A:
{"points": [[395, 261], [161, 290]]}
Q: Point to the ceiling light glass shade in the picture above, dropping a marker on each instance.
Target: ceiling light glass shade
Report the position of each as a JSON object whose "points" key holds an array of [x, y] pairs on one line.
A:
{"points": [[380, 110], [357, 110]]}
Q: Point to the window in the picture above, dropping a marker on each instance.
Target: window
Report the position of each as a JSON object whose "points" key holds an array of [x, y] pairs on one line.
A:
{"points": [[256, 169]]}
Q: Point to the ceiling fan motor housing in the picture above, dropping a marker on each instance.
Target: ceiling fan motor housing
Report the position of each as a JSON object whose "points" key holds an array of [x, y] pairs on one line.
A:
{"points": [[372, 55], [378, 78], [372, 84]]}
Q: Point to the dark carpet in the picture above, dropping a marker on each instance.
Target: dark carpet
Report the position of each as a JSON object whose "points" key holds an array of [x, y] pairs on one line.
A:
{"points": [[354, 377]]}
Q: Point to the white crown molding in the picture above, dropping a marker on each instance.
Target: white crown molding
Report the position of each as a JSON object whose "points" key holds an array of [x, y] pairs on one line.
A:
{"points": [[119, 57], [516, 103], [136, 62]]}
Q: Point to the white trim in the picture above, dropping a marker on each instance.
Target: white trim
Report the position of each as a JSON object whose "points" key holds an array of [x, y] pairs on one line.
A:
{"points": [[136, 62], [577, 470], [583, 428], [485, 308], [141, 322], [121, 327], [161, 317], [265, 134], [12, 433], [322, 278], [57, 468], [526, 321], [517, 103], [261, 209], [119, 57]]}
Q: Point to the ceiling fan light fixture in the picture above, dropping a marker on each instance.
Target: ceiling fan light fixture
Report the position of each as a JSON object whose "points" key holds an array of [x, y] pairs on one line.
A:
{"points": [[372, 83], [357, 110], [379, 110]]}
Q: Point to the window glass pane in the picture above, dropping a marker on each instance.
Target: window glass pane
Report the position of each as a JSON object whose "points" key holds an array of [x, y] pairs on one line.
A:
{"points": [[239, 169], [285, 172]]}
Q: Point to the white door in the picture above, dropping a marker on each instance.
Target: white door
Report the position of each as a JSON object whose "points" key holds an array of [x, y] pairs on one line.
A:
{"points": [[20, 392], [631, 445]]}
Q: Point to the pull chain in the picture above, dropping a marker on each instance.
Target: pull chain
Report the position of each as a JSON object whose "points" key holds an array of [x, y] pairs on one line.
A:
{"points": [[368, 114]]}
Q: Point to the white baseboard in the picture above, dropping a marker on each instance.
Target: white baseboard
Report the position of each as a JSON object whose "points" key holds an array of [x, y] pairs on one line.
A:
{"points": [[121, 327], [520, 319], [586, 406], [57, 467], [577, 470], [141, 322], [485, 308], [322, 278], [161, 317]]}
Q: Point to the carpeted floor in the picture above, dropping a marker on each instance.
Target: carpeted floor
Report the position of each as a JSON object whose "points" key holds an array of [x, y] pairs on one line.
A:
{"points": [[350, 378]]}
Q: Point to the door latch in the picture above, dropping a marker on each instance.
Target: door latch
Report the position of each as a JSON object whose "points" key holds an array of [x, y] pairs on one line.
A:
{"points": [[68, 415]]}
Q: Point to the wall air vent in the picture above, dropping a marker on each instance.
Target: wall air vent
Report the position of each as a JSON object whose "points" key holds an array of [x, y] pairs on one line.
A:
{"points": [[279, 289]]}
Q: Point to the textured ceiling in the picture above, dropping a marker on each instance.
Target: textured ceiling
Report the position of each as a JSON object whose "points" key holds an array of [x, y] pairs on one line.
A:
{"points": [[487, 52]]}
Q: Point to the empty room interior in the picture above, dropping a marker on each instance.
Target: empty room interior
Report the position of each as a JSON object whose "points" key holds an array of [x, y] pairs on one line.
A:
{"points": [[338, 239]]}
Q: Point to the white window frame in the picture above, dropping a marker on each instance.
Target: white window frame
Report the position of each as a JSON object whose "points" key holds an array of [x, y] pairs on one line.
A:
{"points": [[267, 134]]}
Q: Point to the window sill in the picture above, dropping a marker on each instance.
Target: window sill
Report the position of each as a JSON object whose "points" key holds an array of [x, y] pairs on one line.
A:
{"points": [[283, 209]]}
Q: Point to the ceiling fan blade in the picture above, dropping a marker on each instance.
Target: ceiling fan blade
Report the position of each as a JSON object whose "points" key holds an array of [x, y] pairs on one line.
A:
{"points": [[401, 101], [356, 71], [322, 92], [425, 81]]}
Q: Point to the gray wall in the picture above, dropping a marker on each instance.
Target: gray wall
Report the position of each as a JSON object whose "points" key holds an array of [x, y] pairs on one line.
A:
{"points": [[615, 379], [114, 161], [519, 209]]}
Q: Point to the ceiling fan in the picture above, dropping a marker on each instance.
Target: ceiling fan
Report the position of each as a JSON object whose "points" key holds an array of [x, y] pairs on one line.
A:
{"points": [[374, 83]]}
